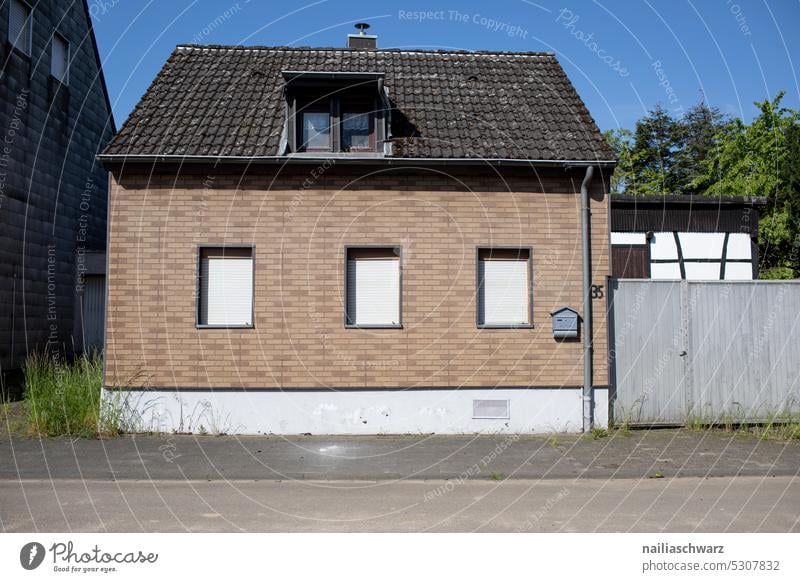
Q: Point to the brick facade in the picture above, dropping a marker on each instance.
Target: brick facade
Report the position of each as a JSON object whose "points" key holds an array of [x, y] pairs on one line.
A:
{"points": [[299, 221], [53, 193]]}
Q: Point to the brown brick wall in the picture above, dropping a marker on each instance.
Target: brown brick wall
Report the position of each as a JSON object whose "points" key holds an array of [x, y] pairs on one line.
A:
{"points": [[299, 226]]}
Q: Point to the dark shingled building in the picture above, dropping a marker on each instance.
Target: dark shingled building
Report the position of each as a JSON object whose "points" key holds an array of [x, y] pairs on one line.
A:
{"points": [[55, 117]]}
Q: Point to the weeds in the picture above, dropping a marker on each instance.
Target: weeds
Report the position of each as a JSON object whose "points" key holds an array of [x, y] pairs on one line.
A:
{"points": [[63, 398], [622, 429], [553, 440], [10, 420], [783, 426], [599, 433]]}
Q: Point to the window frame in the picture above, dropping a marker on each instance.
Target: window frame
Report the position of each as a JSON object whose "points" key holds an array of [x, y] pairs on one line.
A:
{"points": [[198, 286], [334, 104], [530, 323], [398, 250], [65, 80], [27, 51], [355, 106], [317, 107]]}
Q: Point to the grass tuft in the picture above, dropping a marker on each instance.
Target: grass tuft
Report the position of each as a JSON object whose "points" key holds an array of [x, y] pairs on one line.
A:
{"points": [[63, 398], [781, 426], [622, 429], [552, 440]]}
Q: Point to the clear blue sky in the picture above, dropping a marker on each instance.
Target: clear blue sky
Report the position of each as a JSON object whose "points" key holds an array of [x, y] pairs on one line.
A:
{"points": [[624, 56]]}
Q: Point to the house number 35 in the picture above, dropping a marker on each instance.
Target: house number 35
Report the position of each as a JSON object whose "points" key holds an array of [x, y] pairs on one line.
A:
{"points": [[597, 291]]}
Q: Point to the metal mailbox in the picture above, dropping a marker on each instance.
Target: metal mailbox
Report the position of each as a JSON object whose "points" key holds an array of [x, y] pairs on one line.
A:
{"points": [[565, 322]]}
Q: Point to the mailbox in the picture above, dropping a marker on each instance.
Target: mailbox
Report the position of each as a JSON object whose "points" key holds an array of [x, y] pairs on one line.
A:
{"points": [[565, 322]]}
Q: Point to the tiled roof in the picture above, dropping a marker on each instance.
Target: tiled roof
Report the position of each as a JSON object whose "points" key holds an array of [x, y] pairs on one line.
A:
{"points": [[228, 101]]}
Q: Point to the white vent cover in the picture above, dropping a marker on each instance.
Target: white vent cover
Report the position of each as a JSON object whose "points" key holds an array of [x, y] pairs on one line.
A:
{"points": [[491, 409]]}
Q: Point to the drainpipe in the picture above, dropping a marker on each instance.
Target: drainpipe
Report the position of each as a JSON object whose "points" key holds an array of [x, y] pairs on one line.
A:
{"points": [[587, 301]]}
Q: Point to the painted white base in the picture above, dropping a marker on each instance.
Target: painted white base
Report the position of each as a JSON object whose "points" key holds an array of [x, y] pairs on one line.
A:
{"points": [[535, 410]]}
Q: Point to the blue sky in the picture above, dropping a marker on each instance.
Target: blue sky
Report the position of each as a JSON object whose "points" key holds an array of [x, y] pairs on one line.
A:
{"points": [[622, 56]]}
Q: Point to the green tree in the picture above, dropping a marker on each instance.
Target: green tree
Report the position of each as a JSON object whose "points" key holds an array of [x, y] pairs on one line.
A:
{"points": [[621, 141], [654, 158], [664, 155], [699, 129], [761, 159]]}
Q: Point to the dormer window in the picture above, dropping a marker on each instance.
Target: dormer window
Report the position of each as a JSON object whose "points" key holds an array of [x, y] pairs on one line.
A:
{"points": [[336, 124], [335, 112], [358, 128], [316, 129]]}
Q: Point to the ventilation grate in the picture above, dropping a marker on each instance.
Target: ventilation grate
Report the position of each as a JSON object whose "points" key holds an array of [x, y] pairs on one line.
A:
{"points": [[491, 409]]}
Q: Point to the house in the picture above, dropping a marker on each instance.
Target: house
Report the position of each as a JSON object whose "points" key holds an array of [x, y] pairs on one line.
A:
{"points": [[356, 240], [684, 237], [55, 117]]}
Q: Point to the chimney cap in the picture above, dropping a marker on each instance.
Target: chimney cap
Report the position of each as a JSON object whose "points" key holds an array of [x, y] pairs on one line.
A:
{"points": [[362, 40]]}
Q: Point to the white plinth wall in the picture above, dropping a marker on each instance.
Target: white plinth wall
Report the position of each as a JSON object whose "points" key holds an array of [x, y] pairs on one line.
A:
{"points": [[362, 411]]}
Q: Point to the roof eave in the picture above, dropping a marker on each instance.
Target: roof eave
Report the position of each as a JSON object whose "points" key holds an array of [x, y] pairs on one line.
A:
{"points": [[685, 199], [349, 160]]}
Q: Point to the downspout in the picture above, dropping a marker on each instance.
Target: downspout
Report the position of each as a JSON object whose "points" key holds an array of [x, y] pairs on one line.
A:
{"points": [[588, 330]]}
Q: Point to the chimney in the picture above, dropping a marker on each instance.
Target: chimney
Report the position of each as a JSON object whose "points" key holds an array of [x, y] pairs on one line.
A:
{"points": [[362, 40]]}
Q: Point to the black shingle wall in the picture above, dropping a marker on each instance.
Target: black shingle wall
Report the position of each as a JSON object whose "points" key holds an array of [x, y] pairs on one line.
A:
{"points": [[49, 136]]}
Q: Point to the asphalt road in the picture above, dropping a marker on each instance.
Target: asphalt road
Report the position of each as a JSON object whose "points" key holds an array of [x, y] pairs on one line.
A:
{"points": [[686, 504]]}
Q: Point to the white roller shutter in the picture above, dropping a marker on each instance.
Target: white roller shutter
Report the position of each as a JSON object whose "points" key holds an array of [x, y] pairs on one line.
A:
{"points": [[373, 291], [504, 295], [19, 30], [226, 291]]}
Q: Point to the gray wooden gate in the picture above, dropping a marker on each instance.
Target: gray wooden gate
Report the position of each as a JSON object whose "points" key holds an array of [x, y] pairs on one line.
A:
{"points": [[710, 350]]}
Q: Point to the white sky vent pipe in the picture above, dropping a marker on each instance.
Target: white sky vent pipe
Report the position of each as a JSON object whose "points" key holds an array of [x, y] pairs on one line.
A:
{"points": [[588, 330]]}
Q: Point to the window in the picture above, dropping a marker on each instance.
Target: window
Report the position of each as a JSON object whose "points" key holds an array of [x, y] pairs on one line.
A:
{"points": [[59, 58], [19, 26], [504, 288], [357, 131], [225, 287], [373, 287], [316, 130], [335, 124]]}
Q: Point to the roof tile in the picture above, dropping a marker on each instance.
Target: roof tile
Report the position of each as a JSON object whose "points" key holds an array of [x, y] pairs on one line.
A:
{"points": [[218, 100]]}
